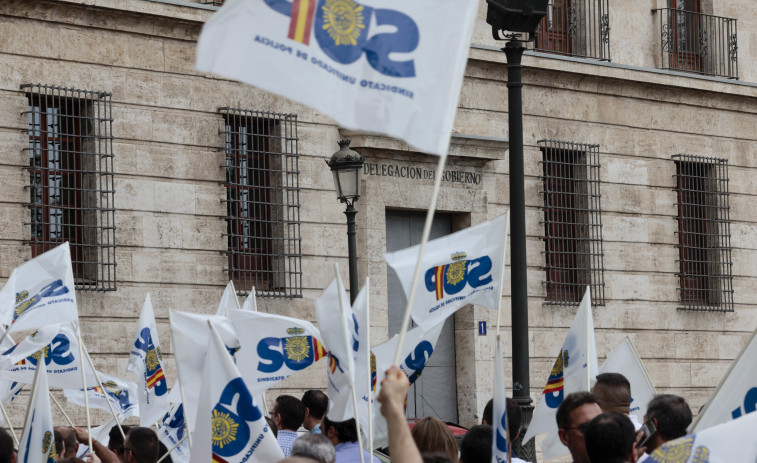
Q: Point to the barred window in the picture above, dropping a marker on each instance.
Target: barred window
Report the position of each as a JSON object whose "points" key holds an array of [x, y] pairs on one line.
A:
{"points": [[704, 233], [71, 180], [263, 202], [575, 28], [572, 222]]}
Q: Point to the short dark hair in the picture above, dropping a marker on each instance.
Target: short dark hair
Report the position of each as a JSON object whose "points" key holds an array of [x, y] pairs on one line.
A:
{"points": [[143, 443], [291, 411], [514, 416], [613, 380], [346, 431], [317, 402], [609, 438], [163, 450], [672, 413], [115, 439], [477, 444], [7, 448], [570, 403], [58, 442], [487, 416]]}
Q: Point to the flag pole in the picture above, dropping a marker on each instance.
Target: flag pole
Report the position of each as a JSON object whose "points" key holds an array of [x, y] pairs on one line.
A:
{"points": [[368, 352], [10, 425], [502, 274], [181, 387], [421, 252], [172, 448], [589, 316], [339, 291], [84, 385], [105, 391], [70, 423]]}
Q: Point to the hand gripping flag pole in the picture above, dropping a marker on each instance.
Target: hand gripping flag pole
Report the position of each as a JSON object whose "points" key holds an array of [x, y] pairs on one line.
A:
{"points": [[345, 336], [105, 391], [421, 252], [84, 385]]}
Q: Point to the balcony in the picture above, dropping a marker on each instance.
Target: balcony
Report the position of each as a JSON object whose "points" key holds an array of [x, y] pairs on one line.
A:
{"points": [[578, 28], [698, 43]]}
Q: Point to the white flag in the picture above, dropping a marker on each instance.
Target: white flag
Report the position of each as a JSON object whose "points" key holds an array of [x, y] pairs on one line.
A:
{"points": [[274, 347], [251, 302], [191, 337], [575, 370], [625, 360], [146, 362], [458, 269], [37, 444], [121, 394], [230, 426], [229, 300], [393, 71], [40, 292], [339, 330], [172, 430], [501, 438], [731, 442], [61, 356], [737, 393], [363, 371]]}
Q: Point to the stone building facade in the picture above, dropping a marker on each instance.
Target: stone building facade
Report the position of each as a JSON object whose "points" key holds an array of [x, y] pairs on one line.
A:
{"points": [[626, 105]]}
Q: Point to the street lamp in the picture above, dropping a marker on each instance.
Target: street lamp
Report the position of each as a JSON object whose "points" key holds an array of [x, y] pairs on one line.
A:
{"points": [[347, 167], [509, 20]]}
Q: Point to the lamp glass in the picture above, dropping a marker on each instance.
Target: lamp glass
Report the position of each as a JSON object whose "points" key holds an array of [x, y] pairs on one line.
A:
{"points": [[347, 180]]}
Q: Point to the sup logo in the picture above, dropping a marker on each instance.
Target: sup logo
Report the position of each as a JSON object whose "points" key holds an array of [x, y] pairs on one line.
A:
{"points": [[501, 439], [416, 361], [58, 352], [234, 410], [451, 278], [120, 395], [750, 403], [555, 381], [154, 376], [680, 452], [175, 421], [342, 29], [296, 352], [24, 303]]}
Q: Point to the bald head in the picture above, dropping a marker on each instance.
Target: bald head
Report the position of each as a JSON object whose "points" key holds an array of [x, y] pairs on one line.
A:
{"points": [[70, 444]]}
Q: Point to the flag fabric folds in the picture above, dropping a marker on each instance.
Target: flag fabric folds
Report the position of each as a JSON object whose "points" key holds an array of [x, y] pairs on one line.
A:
{"points": [[501, 438], [737, 393], [458, 269], [274, 347], [40, 292], [172, 430], [121, 394], [230, 425], [393, 72], [625, 360], [730, 442], [146, 362], [229, 301], [575, 369], [341, 336], [191, 337], [37, 443]]}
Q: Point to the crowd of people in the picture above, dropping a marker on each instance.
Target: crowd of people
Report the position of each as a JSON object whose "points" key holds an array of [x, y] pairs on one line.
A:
{"points": [[595, 426]]}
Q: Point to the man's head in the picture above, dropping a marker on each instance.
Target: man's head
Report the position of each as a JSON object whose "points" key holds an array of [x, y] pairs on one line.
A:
{"points": [[7, 448], [609, 439], [576, 410], [116, 440], [671, 416], [141, 446], [476, 445], [613, 392], [288, 413], [339, 431], [315, 446], [69, 445], [316, 403]]}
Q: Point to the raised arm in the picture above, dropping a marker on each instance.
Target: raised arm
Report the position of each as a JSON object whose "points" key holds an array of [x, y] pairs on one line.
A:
{"points": [[392, 397]]}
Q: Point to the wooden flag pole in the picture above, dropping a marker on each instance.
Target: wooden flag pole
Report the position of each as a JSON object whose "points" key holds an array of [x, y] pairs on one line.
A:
{"points": [[105, 392], [368, 351], [345, 330], [84, 385], [181, 387], [10, 425], [421, 252], [502, 275]]}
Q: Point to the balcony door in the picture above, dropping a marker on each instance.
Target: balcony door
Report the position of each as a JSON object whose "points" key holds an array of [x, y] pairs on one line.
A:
{"points": [[687, 32]]}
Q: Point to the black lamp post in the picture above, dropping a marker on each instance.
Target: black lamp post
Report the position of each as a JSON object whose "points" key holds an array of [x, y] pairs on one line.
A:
{"points": [[347, 167], [513, 19]]}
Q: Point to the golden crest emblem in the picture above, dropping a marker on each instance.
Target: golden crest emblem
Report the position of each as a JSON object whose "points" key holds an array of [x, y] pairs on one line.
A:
{"points": [[343, 20], [297, 348], [224, 428], [677, 452], [152, 359], [295, 330], [47, 440], [455, 272], [112, 386], [38, 354], [560, 364], [702, 455]]}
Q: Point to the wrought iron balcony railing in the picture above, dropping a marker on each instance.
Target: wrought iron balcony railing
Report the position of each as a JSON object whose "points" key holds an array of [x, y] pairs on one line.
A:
{"points": [[699, 43], [575, 28]]}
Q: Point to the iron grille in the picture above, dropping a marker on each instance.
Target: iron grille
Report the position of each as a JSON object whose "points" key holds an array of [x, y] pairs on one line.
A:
{"points": [[704, 234], [71, 180], [575, 28], [695, 42], [263, 202], [572, 222], [212, 2]]}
